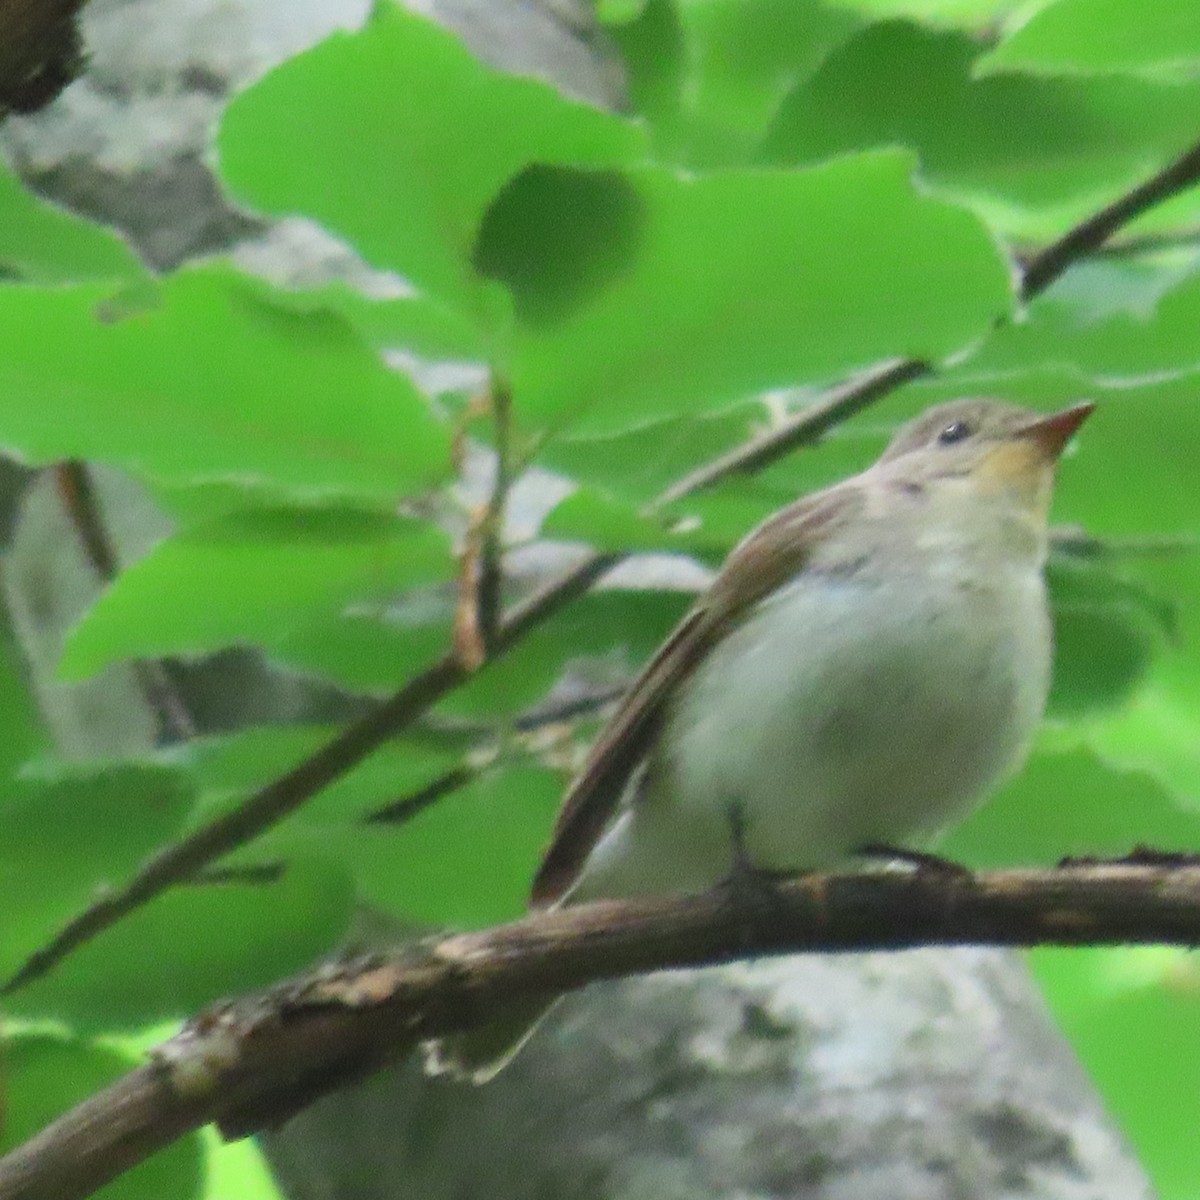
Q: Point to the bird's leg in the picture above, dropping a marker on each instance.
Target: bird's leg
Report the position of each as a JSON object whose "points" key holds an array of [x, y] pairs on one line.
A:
{"points": [[919, 860], [750, 887]]}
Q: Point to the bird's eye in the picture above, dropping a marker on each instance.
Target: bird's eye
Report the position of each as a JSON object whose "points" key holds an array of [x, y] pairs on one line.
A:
{"points": [[955, 432]]}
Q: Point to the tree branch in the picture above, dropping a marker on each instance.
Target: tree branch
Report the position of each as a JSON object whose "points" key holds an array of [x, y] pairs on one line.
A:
{"points": [[288, 793], [1088, 236], [252, 1062], [803, 428]]}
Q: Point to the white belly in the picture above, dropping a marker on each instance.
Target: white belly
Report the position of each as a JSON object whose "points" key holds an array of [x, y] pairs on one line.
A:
{"points": [[840, 713]]}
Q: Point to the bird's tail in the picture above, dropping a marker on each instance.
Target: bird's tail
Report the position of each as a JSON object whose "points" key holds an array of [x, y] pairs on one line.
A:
{"points": [[479, 1054]]}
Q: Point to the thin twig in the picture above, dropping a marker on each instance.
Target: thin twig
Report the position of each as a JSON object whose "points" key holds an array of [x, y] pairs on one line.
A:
{"points": [[1088, 236], [288, 793], [254, 1062], [801, 429], [477, 614], [78, 494], [401, 811]]}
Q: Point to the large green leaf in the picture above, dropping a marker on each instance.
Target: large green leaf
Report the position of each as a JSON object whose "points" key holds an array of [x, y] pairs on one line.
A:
{"points": [[1150, 335], [398, 138], [1108, 627], [45, 1075], [227, 768], [466, 860], [743, 57], [1034, 153], [196, 943], [40, 243], [742, 281], [252, 577], [1103, 36], [368, 654], [209, 382], [639, 463], [61, 842], [1071, 803], [1156, 734]]}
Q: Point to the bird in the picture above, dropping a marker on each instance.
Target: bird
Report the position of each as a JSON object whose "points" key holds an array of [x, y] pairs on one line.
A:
{"points": [[867, 666]]}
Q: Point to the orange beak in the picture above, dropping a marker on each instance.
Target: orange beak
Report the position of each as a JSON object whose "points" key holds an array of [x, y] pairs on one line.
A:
{"points": [[1052, 433]]}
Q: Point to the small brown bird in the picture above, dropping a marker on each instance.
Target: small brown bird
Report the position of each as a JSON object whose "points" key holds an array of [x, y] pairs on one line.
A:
{"points": [[868, 665]]}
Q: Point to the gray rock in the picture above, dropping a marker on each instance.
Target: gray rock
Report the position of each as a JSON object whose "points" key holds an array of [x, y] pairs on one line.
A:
{"points": [[928, 1075]]}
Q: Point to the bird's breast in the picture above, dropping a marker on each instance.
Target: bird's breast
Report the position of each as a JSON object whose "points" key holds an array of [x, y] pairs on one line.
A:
{"points": [[846, 710]]}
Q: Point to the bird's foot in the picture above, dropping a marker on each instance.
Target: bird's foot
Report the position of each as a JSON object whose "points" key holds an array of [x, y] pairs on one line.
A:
{"points": [[919, 860], [752, 890]]}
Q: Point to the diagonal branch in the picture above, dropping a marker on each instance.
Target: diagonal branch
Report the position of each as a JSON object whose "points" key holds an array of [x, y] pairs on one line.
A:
{"points": [[254, 1062], [801, 429], [1088, 236], [807, 425], [289, 792]]}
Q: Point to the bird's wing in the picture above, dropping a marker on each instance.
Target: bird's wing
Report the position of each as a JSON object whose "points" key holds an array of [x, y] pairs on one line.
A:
{"points": [[768, 557]]}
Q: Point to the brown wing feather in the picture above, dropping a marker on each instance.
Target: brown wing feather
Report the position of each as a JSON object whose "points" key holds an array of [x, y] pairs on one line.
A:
{"points": [[770, 555]]}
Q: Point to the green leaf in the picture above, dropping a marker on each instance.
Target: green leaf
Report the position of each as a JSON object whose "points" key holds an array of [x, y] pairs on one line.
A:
{"points": [[1071, 804], [1102, 654], [45, 1075], [398, 138], [418, 324], [606, 522], [41, 243], [639, 463], [743, 283], [743, 59], [1101, 36], [198, 942], [465, 861], [371, 653], [1155, 734], [212, 383], [1034, 154], [654, 53], [1147, 1000], [24, 734], [226, 769], [366, 654], [1158, 337], [967, 13], [603, 213], [1107, 630], [62, 841], [252, 577]]}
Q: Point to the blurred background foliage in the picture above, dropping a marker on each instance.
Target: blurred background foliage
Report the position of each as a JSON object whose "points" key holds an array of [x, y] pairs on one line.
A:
{"points": [[797, 191]]}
